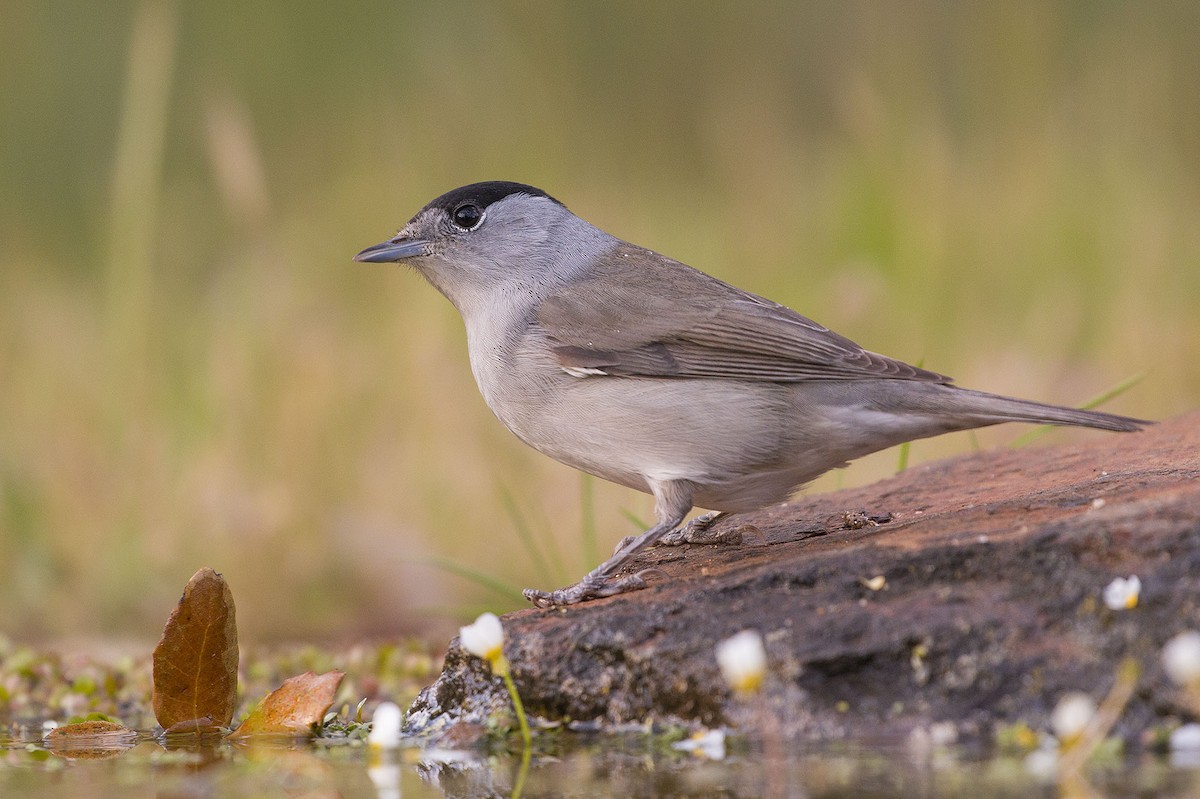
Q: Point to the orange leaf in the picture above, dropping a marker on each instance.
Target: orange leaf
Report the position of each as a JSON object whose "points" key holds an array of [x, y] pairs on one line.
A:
{"points": [[294, 707], [91, 729], [195, 663], [91, 740]]}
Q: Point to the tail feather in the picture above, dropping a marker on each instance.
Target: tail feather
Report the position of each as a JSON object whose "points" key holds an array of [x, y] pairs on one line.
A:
{"points": [[994, 408]]}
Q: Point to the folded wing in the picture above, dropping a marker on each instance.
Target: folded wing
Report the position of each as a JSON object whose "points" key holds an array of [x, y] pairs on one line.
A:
{"points": [[639, 314]]}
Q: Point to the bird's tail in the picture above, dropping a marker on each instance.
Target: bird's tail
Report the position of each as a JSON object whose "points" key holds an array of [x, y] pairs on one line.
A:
{"points": [[993, 409]]}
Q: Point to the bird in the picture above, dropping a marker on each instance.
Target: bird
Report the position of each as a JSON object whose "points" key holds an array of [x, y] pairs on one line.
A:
{"points": [[644, 371]]}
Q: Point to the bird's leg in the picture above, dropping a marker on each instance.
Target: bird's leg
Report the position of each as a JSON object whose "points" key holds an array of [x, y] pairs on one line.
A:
{"points": [[598, 582], [699, 531], [673, 500]]}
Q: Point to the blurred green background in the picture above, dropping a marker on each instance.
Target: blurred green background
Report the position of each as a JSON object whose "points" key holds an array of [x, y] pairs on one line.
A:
{"points": [[193, 372]]}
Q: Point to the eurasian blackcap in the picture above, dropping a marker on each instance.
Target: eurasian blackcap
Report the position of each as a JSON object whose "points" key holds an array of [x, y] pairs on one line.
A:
{"points": [[644, 371]]}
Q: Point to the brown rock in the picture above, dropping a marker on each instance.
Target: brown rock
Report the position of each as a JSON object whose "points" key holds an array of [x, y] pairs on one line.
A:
{"points": [[990, 607]]}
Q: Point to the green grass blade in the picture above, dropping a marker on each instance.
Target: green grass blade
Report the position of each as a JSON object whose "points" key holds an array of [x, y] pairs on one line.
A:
{"points": [[494, 584], [134, 204], [587, 513], [1032, 435], [462, 612], [561, 573], [1103, 397], [632, 517], [1111, 394], [524, 533]]}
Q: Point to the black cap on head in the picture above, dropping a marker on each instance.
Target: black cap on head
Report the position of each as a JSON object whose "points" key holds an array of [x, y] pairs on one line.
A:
{"points": [[484, 194]]}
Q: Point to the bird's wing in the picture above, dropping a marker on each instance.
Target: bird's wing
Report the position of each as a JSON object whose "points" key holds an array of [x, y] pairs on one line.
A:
{"points": [[641, 314]]}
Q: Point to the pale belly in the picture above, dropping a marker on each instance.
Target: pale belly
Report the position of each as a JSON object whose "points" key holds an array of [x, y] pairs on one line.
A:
{"points": [[634, 431]]}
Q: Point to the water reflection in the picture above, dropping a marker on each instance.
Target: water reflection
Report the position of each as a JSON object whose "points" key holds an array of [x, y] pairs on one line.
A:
{"points": [[636, 767]]}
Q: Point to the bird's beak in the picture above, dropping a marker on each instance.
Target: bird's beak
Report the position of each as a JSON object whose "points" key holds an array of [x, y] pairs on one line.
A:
{"points": [[395, 250]]}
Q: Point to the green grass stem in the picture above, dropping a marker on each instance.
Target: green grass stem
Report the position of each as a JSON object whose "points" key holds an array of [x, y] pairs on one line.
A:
{"points": [[134, 202], [587, 516], [500, 587], [549, 563], [519, 707], [634, 520], [1103, 397]]}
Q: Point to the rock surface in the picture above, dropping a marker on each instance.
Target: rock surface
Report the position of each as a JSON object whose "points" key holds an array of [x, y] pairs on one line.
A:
{"points": [[993, 567]]}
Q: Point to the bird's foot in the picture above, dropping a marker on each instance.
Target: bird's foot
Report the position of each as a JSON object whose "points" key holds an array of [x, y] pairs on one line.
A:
{"points": [[697, 531], [700, 531], [590, 587]]}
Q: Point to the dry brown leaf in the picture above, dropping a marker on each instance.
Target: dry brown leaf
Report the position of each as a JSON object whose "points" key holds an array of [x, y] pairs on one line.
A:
{"points": [[90, 740], [195, 663], [200, 725], [91, 729], [294, 707]]}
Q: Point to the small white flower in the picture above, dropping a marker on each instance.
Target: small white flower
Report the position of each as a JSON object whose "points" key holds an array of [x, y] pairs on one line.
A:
{"points": [[385, 726], [1186, 738], [484, 638], [743, 660], [1071, 715], [876, 583], [931, 742], [709, 744], [1122, 593], [1181, 658], [1042, 763], [386, 779], [1185, 747], [944, 733], [435, 755]]}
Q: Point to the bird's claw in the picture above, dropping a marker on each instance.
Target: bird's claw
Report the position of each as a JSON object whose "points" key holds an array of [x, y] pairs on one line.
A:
{"points": [[590, 587]]}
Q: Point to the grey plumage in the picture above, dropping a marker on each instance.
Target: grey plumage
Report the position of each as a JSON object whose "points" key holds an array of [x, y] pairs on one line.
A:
{"points": [[644, 371]]}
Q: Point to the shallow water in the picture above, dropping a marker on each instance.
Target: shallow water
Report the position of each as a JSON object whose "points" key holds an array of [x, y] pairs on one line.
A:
{"points": [[610, 766]]}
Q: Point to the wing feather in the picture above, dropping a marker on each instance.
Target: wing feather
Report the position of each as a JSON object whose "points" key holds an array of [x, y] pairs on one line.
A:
{"points": [[641, 314]]}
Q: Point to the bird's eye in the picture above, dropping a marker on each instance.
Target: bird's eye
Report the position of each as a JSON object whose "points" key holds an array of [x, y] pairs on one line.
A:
{"points": [[468, 216]]}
